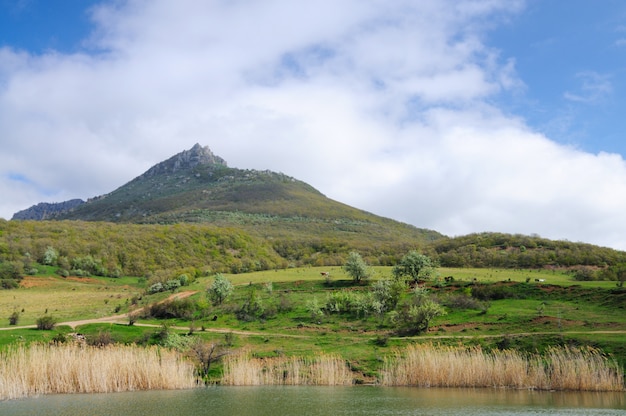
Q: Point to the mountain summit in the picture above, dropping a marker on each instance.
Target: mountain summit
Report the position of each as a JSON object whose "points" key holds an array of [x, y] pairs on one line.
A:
{"points": [[185, 160]]}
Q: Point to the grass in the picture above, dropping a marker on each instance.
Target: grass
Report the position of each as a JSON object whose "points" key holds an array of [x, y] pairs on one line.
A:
{"points": [[560, 368], [245, 370], [67, 298], [73, 368]]}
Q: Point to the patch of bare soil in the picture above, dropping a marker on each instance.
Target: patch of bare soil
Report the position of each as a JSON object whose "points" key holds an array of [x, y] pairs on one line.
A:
{"points": [[32, 281]]}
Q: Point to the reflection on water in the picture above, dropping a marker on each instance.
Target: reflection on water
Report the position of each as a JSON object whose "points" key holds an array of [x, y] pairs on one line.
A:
{"points": [[301, 401]]}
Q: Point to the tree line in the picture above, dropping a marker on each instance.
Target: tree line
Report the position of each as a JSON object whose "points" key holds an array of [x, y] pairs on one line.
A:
{"points": [[108, 249]]}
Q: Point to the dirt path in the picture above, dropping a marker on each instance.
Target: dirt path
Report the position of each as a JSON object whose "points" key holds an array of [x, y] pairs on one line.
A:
{"points": [[123, 318]]}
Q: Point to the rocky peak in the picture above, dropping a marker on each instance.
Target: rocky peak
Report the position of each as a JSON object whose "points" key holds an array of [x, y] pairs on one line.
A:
{"points": [[186, 159]]}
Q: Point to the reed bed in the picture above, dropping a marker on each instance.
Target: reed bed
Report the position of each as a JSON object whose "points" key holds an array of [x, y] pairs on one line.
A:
{"points": [[323, 370], [561, 368], [74, 368]]}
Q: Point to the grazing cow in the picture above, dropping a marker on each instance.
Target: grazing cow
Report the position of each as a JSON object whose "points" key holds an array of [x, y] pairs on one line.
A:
{"points": [[325, 274]]}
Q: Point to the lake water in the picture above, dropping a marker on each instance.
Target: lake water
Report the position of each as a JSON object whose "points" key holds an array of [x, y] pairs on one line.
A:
{"points": [[303, 401]]}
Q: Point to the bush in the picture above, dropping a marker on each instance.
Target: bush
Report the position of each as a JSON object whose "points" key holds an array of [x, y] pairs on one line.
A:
{"points": [[12, 272], [462, 301], [176, 308], [9, 283], [101, 339], [14, 318], [492, 292], [46, 323], [584, 274], [172, 285], [415, 317], [156, 288]]}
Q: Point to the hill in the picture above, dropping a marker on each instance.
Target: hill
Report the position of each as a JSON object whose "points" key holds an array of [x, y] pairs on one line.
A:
{"points": [[193, 210], [194, 204]]}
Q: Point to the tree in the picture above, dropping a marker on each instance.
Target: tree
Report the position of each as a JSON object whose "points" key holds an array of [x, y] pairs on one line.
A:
{"points": [[356, 267], [415, 266], [220, 289]]}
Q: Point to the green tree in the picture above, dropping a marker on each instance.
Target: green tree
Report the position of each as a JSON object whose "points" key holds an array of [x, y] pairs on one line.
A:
{"points": [[415, 318], [356, 267], [414, 265], [220, 289]]}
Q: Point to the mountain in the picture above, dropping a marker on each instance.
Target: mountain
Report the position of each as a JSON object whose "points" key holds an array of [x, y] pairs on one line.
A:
{"points": [[193, 209], [196, 186], [45, 210]]}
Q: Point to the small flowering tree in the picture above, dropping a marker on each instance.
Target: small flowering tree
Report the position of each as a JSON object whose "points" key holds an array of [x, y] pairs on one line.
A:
{"points": [[220, 289], [356, 267]]}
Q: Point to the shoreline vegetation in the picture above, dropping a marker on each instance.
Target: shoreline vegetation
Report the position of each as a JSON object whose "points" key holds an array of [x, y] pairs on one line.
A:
{"points": [[74, 368], [560, 368], [429, 365]]}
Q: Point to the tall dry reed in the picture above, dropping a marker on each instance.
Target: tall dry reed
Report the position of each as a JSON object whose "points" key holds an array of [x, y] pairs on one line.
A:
{"points": [[74, 368], [427, 365], [244, 370]]}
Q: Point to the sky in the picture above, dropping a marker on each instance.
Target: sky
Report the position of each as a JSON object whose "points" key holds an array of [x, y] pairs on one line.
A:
{"points": [[459, 116]]}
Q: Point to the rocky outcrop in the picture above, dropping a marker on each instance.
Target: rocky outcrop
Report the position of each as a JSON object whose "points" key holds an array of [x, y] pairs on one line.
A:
{"points": [[184, 160], [45, 210]]}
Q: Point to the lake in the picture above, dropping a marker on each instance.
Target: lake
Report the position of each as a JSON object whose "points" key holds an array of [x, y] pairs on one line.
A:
{"points": [[302, 401]]}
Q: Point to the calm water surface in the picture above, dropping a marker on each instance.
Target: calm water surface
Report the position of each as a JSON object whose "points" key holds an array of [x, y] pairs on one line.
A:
{"points": [[301, 401]]}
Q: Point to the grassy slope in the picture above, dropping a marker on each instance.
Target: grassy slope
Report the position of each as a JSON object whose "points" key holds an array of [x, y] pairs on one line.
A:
{"points": [[555, 311]]}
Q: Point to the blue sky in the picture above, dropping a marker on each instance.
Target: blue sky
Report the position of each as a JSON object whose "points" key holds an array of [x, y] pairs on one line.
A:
{"points": [[456, 115], [572, 58], [41, 25]]}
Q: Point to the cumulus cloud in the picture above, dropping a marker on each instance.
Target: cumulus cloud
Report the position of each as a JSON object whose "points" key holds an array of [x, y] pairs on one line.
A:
{"points": [[386, 106]]}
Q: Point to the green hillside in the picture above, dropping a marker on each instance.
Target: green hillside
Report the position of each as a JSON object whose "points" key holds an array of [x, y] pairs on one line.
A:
{"points": [[194, 212]]}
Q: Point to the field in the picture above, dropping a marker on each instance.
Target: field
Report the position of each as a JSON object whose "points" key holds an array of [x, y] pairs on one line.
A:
{"points": [[283, 313]]}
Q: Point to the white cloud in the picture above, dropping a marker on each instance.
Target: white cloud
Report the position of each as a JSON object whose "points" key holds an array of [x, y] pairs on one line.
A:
{"points": [[380, 105]]}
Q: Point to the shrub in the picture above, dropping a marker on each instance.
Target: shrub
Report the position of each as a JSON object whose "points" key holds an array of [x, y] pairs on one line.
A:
{"points": [[156, 288], [171, 285], [583, 273], [14, 318], [46, 323], [50, 256], [415, 317], [11, 271], [175, 308], [183, 279], [252, 307], [462, 301], [492, 292]]}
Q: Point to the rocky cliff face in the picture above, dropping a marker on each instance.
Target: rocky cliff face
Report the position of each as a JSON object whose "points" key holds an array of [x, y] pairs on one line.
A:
{"points": [[45, 210], [186, 159]]}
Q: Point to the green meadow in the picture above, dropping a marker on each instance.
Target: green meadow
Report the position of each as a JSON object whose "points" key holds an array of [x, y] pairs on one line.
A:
{"points": [[285, 313]]}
